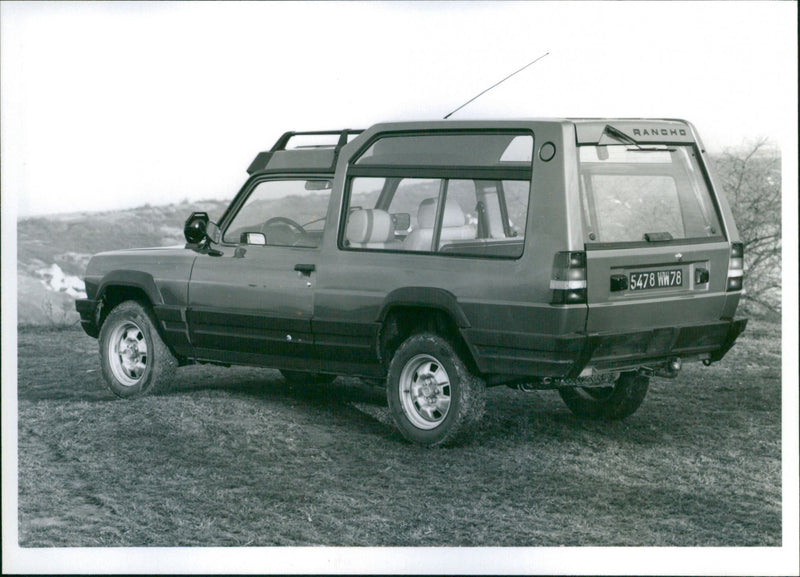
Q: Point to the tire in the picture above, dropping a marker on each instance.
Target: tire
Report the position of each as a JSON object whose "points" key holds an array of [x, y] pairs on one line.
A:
{"points": [[303, 378], [433, 397], [608, 403], [134, 359]]}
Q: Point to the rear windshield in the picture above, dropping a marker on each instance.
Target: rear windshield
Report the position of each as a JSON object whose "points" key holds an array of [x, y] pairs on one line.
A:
{"points": [[633, 194]]}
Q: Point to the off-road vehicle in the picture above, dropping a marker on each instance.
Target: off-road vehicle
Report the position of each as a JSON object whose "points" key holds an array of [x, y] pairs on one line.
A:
{"points": [[442, 258]]}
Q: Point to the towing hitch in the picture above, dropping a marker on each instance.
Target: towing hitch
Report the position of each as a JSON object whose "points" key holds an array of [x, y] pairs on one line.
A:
{"points": [[668, 370]]}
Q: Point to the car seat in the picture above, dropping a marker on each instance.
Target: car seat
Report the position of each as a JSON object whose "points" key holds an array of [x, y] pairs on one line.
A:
{"points": [[454, 225], [371, 228]]}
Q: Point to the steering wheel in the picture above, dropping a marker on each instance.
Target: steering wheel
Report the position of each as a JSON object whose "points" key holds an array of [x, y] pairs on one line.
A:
{"points": [[283, 220]]}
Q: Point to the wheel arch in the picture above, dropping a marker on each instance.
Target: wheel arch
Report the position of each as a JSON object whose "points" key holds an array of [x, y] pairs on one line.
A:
{"points": [[411, 310], [119, 286]]}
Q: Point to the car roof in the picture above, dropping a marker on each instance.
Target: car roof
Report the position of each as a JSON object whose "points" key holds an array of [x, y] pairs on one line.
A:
{"points": [[321, 158]]}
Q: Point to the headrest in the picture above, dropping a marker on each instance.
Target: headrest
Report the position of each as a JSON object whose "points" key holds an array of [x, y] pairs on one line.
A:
{"points": [[453, 215], [370, 225]]}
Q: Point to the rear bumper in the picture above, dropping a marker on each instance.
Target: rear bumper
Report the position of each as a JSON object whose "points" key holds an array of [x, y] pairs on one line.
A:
{"points": [[703, 341], [566, 356], [88, 310]]}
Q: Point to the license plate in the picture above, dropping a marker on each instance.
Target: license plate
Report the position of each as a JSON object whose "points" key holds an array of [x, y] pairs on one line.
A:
{"points": [[656, 279]]}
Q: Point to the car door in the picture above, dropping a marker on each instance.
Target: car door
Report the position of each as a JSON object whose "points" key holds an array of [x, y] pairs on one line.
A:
{"points": [[657, 255], [251, 297]]}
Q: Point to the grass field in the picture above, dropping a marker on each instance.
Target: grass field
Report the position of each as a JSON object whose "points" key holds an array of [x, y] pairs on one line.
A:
{"points": [[234, 457]]}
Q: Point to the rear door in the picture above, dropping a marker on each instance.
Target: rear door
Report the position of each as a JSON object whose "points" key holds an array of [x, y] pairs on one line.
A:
{"points": [[655, 250]]}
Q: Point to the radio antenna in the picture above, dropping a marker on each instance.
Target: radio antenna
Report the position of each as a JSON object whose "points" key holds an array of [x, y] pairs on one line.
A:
{"points": [[496, 84]]}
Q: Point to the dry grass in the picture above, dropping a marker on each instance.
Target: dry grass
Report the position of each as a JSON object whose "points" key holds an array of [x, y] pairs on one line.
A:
{"points": [[238, 457]]}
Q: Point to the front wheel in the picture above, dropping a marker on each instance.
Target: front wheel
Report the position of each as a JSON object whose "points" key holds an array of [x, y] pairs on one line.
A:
{"points": [[134, 359], [608, 403], [433, 397]]}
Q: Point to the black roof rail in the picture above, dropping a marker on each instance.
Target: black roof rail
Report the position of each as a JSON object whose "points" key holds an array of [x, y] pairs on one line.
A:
{"points": [[323, 159]]}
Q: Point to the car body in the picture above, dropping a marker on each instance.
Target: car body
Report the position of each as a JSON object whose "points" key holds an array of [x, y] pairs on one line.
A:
{"points": [[584, 255]]}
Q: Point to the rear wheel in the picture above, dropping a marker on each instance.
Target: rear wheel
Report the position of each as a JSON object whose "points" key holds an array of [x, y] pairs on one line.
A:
{"points": [[433, 397], [134, 359], [609, 403]]}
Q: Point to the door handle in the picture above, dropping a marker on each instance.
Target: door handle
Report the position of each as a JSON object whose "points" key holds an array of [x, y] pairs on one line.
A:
{"points": [[305, 269]]}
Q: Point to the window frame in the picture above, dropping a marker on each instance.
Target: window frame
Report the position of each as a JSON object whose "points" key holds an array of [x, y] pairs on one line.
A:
{"points": [[590, 220], [384, 200], [510, 171], [247, 190], [513, 170]]}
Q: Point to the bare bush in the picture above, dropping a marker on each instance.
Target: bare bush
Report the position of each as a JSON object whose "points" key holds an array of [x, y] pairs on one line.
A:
{"points": [[751, 177]]}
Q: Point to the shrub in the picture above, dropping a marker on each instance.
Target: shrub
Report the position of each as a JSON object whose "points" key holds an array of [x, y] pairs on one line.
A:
{"points": [[751, 178]]}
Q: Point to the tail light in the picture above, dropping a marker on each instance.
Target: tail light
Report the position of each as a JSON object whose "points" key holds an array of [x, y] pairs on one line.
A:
{"points": [[736, 267], [568, 280]]}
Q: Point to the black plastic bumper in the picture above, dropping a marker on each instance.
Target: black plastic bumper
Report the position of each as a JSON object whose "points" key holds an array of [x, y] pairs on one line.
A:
{"points": [[736, 328], [88, 309], [710, 341], [565, 356]]}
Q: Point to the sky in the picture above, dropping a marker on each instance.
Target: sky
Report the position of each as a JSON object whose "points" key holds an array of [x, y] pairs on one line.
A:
{"points": [[114, 105]]}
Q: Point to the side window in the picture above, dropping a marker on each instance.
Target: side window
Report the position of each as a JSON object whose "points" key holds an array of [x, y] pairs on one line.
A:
{"points": [[517, 195], [384, 213], [499, 218], [286, 212], [462, 193], [479, 218], [459, 193], [409, 197]]}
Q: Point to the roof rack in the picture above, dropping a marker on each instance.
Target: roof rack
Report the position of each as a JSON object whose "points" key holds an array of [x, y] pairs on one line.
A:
{"points": [[315, 158]]}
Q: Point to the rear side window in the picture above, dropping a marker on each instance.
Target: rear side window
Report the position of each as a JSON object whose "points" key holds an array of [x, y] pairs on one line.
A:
{"points": [[632, 194], [462, 193], [461, 217]]}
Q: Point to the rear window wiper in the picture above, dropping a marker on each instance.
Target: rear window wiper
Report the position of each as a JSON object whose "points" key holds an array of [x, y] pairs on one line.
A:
{"points": [[620, 136], [624, 138]]}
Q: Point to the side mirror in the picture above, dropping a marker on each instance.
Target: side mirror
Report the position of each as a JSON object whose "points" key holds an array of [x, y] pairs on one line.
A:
{"points": [[199, 228], [213, 232]]}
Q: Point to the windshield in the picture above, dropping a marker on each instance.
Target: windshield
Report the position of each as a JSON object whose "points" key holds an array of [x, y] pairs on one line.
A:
{"points": [[632, 194]]}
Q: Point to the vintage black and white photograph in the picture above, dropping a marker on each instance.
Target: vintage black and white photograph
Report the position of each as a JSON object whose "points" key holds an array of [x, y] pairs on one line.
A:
{"points": [[399, 287]]}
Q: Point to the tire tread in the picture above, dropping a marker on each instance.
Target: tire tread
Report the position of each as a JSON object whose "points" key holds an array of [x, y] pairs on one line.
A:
{"points": [[161, 370], [471, 390], [626, 397]]}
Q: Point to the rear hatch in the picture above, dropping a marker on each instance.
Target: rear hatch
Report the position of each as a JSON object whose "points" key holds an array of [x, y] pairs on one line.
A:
{"points": [[656, 252]]}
